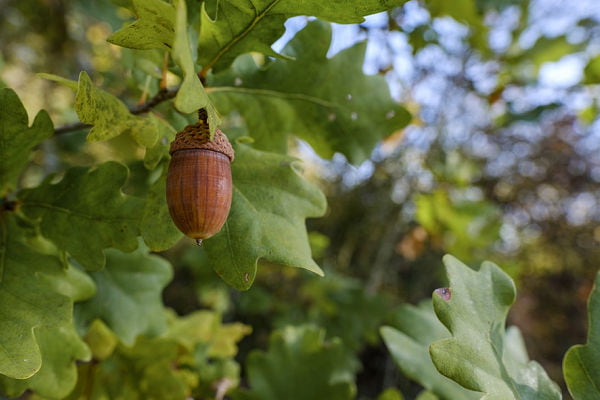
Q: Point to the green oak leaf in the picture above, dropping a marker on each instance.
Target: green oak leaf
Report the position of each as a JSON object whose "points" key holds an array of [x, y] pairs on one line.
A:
{"points": [[477, 356], [166, 134], [191, 95], [108, 115], [147, 370], [300, 365], [38, 343], [244, 26], [266, 222], [580, 364], [129, 294], [409, 346], [327, 102], [60, 347], [17, 139], [86, 212], [157, 227], [154, 28]]}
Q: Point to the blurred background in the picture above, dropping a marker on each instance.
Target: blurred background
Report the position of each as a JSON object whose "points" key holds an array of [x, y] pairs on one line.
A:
{"points": [[501, 162]]}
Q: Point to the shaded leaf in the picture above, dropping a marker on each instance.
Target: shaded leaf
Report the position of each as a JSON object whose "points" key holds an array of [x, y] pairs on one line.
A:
{"points": [[154, 28], [157, 227], [580, 364], [329, 103], [166, 134], [476, 356], [129, 294], [145, 371], [253, 25], [191, 95], [36, 316], [266, 222], [409, 347], [86, 212], [17, 139], [300, 365]]}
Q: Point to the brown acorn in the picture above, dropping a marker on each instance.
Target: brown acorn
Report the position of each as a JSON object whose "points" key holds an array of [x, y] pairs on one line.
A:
{"points": [[199, 180]]}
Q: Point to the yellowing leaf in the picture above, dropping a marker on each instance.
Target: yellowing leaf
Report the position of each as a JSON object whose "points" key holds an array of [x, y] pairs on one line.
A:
{"points": [[152, 30]]}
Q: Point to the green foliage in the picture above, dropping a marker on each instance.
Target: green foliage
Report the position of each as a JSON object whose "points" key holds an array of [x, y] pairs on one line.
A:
{"points": [[191, 95], [86, 212], [39, 343], [128, 298], [154, 28], [477, 356], [17, 138], [409, 345], [108, 115], [299, 365], [190, 359], [156, 226], [245, 26], [327, 102], [465, 226], [266, 222], [580, 364]]}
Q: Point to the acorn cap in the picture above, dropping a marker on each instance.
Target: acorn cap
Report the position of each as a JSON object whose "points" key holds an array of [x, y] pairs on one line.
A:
{"points": [[197, 136]]}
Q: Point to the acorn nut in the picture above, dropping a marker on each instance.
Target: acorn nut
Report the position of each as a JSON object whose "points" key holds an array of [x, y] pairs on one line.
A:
{"points": [[199, 183]]}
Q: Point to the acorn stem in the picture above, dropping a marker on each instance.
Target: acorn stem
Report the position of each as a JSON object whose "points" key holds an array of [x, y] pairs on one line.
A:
{"points": [[199, 242]]}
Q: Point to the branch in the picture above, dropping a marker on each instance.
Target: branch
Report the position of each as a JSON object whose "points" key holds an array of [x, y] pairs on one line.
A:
{"points": [[161, 96]]}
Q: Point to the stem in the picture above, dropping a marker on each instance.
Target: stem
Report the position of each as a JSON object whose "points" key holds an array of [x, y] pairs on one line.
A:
{"points": [[161, 96]]}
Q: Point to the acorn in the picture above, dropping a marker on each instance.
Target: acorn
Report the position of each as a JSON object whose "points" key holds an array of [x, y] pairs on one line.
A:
{"points": [[199, 185]]}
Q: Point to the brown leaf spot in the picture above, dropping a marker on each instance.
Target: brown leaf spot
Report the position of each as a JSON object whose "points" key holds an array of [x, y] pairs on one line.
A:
{"points": [[444, 293]]}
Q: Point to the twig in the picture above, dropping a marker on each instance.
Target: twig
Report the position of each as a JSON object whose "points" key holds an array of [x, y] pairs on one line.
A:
{"points": [[161, 96]]}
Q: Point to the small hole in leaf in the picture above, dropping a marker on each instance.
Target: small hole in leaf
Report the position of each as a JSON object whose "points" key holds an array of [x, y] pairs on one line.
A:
{"points": [[354, 116], [238, 81], [348, 97], [332, 117], [390, 114]]}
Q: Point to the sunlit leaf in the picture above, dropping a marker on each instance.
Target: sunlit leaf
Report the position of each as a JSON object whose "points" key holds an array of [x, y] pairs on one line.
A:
{"points": [[129, 294], [266, 222], [252, 26], [409, 346], [329, 103], [17, 138], [581, 362], [477, 356], [86, 212], [191, 95], [154, 28]]}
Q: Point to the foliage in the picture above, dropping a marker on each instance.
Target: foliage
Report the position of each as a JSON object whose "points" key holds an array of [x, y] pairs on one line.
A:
{"points": [[101, 298], [299, 364], [580, 361]]}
